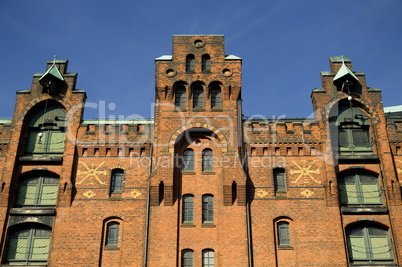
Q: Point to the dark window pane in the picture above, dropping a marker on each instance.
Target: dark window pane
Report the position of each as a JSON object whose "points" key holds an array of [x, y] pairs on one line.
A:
{"points": [[283, 233], [198, 97], [207, 208], [188, 160], [216, 97], [112, 234], [188, 208], [207, 160]]}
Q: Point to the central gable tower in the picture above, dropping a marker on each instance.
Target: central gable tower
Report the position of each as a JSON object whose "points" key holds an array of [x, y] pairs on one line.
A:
{"points": [[198, 184]]}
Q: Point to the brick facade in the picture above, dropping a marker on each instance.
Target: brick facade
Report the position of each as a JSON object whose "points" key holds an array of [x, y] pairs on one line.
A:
{"points": [[200, 184]]}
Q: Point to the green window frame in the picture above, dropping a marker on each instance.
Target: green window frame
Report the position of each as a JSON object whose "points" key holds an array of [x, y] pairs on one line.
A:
{"points": [[360, 189], [46, 132], [369, 244], [28, 246], [352, 128], [187, 258], [38, 191]]}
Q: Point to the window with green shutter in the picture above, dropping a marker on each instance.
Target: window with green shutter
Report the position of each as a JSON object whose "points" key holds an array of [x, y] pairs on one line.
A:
{"points": [[359, 189], [352, 128], [369, 244], [28, 246], [46, 132], [38, 191]]}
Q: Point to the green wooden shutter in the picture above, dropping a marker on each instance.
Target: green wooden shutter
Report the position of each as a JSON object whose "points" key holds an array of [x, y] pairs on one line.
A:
{"points": [[380, 246], [56, 142]]}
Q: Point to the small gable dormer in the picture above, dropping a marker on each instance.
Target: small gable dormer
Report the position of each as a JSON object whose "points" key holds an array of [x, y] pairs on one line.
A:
{"points": [[345, 80], [52, 81]]}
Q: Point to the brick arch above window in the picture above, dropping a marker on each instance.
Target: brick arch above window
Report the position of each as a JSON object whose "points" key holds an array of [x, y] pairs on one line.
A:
{"points": [[218, 134]]}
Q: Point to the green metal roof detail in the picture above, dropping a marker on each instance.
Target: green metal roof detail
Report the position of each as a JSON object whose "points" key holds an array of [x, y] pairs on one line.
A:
{"points": [[344, 71], [54, 71], [335, 59]]}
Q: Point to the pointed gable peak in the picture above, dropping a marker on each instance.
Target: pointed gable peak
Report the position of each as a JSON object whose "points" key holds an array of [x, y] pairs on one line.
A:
{"points": [[53, 71], [343, 71]]}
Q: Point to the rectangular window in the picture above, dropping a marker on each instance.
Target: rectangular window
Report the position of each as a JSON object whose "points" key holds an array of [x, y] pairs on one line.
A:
{"points": [[188, 208], [279, 180], [207, 209]]}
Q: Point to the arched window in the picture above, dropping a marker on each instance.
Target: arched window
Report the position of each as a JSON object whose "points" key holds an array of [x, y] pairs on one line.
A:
{"points": [[188, 209], [187, 258], [190, 63], [198, 96], [180, 96], [38, 190], [116, 181], [369, 244], [283, 232], [206, 62], [112, 233], [352, 131], [279, 180], [207, 160], [188, 160], [28, 246], [208, 258], [216, 97], [207, 208], [46, 132], [359, 188]]}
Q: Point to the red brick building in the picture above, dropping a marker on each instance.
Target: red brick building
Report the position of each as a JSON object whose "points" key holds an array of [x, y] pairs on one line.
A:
{"points": [[200, 184]]}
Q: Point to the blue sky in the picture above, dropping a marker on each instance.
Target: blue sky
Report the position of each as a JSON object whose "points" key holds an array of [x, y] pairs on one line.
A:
{"points": [[284, 45]]}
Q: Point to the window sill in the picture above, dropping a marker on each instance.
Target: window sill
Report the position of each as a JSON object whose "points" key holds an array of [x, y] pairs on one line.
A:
{"points": [[41, 159], [188, 172], [115, 196], [208, 225], [373, 264], [188, 225], [356, 157], [112, 247], [33, 211], [208, 173], [364, 210], [216, 109], [285, 247]]}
